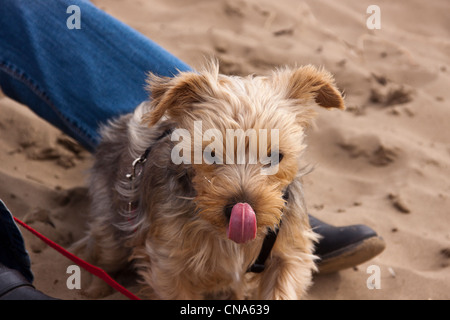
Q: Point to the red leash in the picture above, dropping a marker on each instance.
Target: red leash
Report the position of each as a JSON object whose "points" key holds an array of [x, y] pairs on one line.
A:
{"points": [[96, 271]]}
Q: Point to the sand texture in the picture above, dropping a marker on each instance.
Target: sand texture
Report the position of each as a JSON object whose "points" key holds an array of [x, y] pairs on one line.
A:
{"points": [[384, 162]]}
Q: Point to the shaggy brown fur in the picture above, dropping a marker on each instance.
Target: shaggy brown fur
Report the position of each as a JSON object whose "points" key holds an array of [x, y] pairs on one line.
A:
{"points": [[176, 234]]}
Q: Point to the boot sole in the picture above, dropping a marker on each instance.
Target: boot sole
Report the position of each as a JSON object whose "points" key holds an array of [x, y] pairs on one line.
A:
{"points": [[351, 256]]}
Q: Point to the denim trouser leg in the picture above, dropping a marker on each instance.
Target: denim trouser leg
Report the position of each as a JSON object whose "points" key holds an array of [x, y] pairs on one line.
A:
{"points": [[75, 79]]}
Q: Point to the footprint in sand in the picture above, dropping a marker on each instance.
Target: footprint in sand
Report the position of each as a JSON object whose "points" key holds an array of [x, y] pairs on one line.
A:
{"points": [[391, 94], [399, 203], [387, 57], [370, 148], [64, 152]]}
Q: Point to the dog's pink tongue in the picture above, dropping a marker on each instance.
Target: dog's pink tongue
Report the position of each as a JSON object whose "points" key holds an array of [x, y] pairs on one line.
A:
{"points": [[242, 227]]}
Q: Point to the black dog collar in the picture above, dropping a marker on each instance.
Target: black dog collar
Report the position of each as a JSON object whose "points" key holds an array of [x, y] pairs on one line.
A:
{"points": [[266, 249]]}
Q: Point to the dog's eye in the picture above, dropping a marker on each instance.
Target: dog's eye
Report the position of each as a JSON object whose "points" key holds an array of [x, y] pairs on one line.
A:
{"points": [[278, 157]]}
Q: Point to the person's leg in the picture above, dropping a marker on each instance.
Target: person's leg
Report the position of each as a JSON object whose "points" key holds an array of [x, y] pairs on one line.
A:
{"points": [[76, 78], [15, 265], [12, 247]]}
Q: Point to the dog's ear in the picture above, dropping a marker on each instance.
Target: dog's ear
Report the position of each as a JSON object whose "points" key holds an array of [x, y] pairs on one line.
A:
{"points": [[308, 84], [175, 97]]}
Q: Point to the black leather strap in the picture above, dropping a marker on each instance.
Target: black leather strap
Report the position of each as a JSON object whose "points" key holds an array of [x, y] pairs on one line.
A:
{"points": [[149, 149], [269, 242]]}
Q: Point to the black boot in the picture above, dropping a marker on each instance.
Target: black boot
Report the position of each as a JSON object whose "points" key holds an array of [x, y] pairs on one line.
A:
{"points": [[14, 286], [344, 247]]}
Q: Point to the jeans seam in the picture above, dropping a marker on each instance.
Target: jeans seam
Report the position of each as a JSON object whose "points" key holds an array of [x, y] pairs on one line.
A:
{"points": [[21, 76]]}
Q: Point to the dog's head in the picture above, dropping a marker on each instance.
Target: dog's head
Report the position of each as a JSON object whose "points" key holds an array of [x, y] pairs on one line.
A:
{"points": [[243, 138]]}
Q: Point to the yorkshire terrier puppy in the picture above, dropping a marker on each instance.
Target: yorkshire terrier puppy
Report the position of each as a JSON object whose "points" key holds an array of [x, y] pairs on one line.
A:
{"points": [[189, 187]]}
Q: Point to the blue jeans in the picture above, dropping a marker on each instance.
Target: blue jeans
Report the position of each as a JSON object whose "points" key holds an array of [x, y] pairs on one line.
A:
{"points": [[76, 79]]}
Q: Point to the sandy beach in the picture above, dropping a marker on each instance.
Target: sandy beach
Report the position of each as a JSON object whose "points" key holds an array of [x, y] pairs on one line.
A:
{"points": [[384, 162]]}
